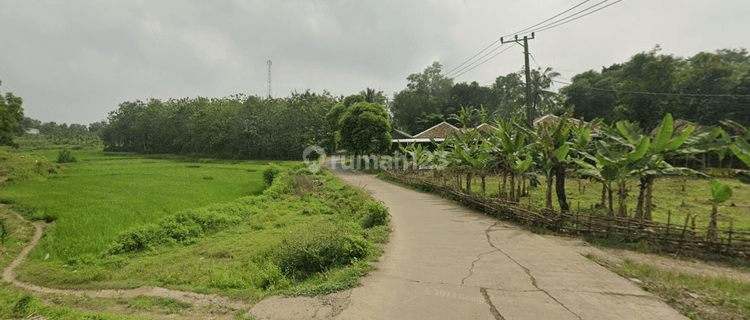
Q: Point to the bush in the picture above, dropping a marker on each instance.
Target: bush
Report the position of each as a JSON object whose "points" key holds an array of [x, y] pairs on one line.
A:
{"points": [[65, 156], [23, 306], [374, 214], [318, 249], [270, 173], [183, 227]]}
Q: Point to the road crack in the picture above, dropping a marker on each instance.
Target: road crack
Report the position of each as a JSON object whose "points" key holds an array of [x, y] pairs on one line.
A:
{"points": [[528, 272], [494, 311], [471, 270]]}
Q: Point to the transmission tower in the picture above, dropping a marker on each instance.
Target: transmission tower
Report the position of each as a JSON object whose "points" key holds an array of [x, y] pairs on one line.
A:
{"points": [[269, 78]]}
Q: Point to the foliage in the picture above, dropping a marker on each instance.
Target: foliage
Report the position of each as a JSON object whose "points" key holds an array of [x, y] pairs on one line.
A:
{"points": [[20, 166], [705, 88], [426, 93], [365, 129], [374, 214], [270, 172], [73, 134], [317, 249], [64, 156], [239, 126], [11, 118]]}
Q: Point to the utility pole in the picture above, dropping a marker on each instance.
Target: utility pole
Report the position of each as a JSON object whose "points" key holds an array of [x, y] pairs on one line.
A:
{"points": [[529, 111], [269, 77]]}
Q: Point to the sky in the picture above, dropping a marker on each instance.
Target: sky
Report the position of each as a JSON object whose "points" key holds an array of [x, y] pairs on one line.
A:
{"points": [[75, 61]]}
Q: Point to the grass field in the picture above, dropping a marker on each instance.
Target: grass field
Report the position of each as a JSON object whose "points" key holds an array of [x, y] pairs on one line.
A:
{"points": [[668, 196], [124, 221], [96, 198]]}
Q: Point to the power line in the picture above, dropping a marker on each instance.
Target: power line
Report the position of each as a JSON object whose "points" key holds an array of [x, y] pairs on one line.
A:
{"points": [[522, 30], [559, 14], [562, 22], [481, 63], [469, 65], [663, 93]]}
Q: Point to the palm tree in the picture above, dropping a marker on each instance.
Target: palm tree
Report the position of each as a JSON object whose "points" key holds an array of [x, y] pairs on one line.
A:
{"points": [[541, 96]]}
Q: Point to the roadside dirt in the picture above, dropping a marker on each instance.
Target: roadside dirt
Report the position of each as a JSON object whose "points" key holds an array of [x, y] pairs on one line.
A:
{"points": [[695, 267]]}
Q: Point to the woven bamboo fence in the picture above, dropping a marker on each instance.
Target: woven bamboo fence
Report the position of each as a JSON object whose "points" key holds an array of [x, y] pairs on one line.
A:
{"points": [[679, 236]]}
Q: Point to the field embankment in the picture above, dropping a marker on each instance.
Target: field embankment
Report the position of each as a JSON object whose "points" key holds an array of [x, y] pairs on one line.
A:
{"points": [[243, 230]]}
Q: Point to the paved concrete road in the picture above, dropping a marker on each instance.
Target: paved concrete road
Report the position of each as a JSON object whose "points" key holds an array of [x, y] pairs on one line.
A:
{"points": [[448, 262]]}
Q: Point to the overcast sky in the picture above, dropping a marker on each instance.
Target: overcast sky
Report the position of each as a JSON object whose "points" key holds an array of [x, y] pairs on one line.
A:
{"points": [[74, 61]]}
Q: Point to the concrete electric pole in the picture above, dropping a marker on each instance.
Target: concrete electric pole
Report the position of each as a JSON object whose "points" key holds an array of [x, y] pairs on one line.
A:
{"points": [[529, 110]]}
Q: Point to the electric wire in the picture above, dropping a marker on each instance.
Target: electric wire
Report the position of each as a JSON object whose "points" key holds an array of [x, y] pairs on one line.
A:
{"points": [[456, 72], [574, 19], [481, 63], [517, 32], [475, 61]]}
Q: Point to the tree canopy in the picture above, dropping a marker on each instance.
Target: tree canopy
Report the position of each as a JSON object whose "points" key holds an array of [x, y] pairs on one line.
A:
{"points": [[705, 88], [243, 127], [11, 118], [365, 129]]}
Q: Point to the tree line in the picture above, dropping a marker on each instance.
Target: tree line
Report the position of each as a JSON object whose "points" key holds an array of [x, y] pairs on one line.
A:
{"points": [[704, 89], [242, 127]]}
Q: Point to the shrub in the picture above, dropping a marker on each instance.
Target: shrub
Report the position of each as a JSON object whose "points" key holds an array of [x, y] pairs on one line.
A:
{"points": [[270, 173], [317, 249], [4, 231], [22, 307], [183, 227], [65, 156], [374, 214]]}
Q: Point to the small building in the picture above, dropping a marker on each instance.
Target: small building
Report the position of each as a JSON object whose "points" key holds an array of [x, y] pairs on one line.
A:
{"points": [[32, 131]]}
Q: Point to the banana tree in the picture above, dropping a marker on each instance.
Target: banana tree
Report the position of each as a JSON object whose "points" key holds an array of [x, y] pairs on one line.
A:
{"points": [[612, 164], [552, 141], [507, 146], [417, 154], [652, 164]]}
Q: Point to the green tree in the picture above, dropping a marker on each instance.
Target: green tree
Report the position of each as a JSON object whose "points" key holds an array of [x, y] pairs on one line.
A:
{"points": [[365, 129], [426, 93], [11, 116], [507, 93], [591, 95], [542, 99]]}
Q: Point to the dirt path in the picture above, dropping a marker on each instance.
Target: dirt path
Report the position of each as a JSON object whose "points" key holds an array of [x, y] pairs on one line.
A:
{"points": [[197, 300], [445, 261]]}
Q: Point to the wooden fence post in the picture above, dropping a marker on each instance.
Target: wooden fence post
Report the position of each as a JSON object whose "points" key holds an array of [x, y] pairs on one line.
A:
{"points": [[669, 219]]}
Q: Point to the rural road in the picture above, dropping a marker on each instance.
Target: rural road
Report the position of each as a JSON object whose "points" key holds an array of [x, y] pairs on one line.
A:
{"points": [[445, 261]]}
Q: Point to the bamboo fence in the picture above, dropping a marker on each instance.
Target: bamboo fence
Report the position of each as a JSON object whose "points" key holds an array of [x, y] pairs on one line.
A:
{"points": [[681, 237]]}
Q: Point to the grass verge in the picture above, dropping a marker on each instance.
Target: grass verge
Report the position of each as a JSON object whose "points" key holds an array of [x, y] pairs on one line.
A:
{"points": [[697, 297]]}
